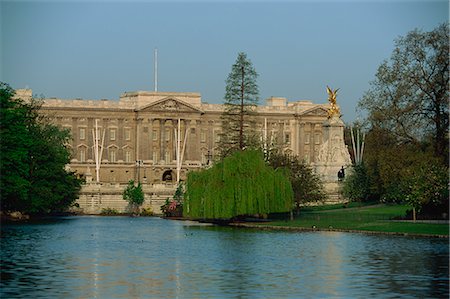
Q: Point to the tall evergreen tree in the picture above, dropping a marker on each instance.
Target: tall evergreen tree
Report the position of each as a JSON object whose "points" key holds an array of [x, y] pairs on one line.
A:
{"points": [[241, 99]]}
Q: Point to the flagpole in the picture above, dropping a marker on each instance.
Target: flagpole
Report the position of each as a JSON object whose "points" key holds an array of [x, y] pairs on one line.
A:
{"points": [[156, 69]]}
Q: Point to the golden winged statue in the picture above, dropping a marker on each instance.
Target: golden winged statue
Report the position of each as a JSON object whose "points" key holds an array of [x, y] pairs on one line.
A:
{"points": [[334, 109]]}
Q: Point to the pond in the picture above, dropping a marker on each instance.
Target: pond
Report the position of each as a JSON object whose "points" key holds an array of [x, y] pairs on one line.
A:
{"points": [[123, 257]]}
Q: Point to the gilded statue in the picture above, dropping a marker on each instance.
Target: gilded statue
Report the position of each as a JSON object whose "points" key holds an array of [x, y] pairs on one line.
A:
{"points": [[334, 109]]}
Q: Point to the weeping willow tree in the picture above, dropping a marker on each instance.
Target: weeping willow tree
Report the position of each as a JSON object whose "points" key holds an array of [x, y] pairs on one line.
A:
{"points": [[241, 184]]}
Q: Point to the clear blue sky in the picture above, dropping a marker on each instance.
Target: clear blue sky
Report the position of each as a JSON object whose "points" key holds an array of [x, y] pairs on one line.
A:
{"points": [[100, 49]]}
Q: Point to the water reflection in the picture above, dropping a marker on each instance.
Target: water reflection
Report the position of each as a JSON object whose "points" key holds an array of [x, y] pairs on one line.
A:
{"points": [[121, 257]]}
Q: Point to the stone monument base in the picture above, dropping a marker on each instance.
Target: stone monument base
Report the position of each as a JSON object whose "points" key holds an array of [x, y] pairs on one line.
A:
{"points": [[334, 194]]}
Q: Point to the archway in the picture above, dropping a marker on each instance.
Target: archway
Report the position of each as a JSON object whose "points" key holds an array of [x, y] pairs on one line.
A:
{"points": [[167, 176]]}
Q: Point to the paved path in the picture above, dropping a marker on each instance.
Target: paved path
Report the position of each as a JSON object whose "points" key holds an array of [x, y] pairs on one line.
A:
{"points": [[424, 221]]}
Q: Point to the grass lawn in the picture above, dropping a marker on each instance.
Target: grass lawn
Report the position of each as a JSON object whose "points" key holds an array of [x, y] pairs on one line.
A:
{"points": [[367, 218]]}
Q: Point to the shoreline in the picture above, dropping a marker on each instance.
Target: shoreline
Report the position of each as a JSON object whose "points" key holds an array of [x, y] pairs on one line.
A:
{"points": [[307, 229], [26, 218]]}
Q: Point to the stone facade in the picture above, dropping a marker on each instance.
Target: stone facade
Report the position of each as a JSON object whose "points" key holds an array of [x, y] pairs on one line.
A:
{"points": [[141, 126], [139, 132]]}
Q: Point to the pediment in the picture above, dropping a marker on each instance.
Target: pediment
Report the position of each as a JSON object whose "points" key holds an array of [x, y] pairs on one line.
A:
{"points": [[315, 111], [170, 104]]}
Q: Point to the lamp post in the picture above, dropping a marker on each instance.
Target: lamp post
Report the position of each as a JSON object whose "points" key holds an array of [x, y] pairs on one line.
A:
{"points": [[208, 157], [145, 175], [139, 163]]}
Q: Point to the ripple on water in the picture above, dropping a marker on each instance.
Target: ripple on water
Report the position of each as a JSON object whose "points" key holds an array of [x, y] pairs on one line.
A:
{"points": [[120, 257]]}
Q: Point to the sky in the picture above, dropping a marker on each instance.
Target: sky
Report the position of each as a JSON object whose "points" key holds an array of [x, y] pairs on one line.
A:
{"points": [[100, 49]]}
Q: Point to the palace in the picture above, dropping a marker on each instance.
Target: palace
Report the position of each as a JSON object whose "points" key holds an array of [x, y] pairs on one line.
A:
{"points": [[141, 135]]}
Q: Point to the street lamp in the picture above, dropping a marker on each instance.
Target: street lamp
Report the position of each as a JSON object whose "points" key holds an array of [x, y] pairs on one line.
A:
{"points": [[145, 175], [139, 163], [208, 157]]}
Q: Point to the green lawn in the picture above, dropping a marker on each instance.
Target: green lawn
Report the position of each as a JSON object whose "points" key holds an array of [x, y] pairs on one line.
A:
{"points": [[367, 218]]}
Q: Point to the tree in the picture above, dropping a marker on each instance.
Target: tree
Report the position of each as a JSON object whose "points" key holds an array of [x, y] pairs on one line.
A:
{"points": [[15, 146], [410, 93], [426, 183], [241, 99], [356, 184], [408, 111], [240, 184], [306, 184], [134, 195], [34, 155]]}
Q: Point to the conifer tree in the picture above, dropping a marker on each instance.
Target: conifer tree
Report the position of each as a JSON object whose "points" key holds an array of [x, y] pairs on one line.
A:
{"points": [[241, 99]]}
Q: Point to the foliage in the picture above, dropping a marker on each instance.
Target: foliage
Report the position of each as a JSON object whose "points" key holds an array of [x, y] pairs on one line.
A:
{"points": [[174, 207], [134, 195], [306, 184], [241, 98], [356, 184], [147, 212], [109, 212], [33, 159], [407, 144], [426, 183], [406, 173], [403, 172], [241, 184], [409, 95]]}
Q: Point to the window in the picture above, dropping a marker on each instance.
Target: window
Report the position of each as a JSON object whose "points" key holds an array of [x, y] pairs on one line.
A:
{"points": [[203, 136], [216, 136], [167, 157], [127, 134], [287, 138], [112, 134], [317, 138], [155, 135], [155, 156], [127, 156], [82, 133], [192, 130], [306, 157], [82, 155], [167, 134], [112, 156], [307, 137]]}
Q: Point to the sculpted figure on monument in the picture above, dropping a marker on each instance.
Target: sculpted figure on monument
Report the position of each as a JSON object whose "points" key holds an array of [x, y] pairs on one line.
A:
{"points": [[334, 109]]}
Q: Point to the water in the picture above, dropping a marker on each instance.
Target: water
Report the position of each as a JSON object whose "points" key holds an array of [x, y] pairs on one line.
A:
{"points": [[121, 257]]}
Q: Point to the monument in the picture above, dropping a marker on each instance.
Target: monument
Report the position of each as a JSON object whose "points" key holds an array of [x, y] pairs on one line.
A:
{"points": [[333, 156]]}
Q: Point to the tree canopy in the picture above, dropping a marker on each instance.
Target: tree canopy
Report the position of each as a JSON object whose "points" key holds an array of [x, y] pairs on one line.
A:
{"points": [[240, 184], [33, 159], [406, 153], [306, 184], [410, 93], [241, 98]]}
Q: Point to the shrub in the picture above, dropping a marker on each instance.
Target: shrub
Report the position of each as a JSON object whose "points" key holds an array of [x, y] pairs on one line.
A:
{"points": [[146, 212], [109, 212], [356, 184], [134, 195]]}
